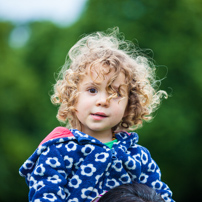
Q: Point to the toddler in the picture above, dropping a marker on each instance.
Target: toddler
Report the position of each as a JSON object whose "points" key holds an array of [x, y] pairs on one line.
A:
{"points": [[104, 89]]}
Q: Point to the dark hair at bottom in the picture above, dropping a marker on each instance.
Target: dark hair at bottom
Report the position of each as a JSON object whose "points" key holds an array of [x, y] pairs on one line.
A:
{"points": [[131, 193]]}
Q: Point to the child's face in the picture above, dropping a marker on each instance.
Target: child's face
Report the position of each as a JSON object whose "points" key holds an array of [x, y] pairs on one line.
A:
{"points": [[96, 114]]}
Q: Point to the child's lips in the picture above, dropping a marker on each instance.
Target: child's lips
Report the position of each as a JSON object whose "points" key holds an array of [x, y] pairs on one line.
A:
{"points": [[99, 115]]}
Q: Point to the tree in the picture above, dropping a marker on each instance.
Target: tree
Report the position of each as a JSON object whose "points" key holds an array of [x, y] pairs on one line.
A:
{"points": [[171, 29]]}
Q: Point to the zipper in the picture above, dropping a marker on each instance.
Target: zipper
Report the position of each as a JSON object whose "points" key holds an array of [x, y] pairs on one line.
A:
{"points": [[113, 154]]}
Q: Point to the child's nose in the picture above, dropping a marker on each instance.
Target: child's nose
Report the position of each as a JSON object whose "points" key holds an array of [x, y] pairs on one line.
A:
{"points": [[103, 100]]}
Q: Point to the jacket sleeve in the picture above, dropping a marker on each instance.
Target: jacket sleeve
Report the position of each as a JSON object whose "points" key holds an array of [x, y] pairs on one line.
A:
{"points": [[49, 177], [151, 175]]}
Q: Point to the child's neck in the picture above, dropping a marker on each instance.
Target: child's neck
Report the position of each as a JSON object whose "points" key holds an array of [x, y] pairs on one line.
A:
{"points": [[103, 136]]}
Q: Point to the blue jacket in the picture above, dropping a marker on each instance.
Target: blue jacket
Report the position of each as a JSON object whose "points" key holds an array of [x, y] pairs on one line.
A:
{"points": [[79, 167]]}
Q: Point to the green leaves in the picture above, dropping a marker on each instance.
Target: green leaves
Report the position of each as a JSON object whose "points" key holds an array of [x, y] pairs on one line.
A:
{"points": [[171, 29]]}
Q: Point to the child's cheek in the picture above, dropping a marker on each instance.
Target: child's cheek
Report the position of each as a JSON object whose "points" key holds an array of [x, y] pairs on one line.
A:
{"points": [[118, 113]]}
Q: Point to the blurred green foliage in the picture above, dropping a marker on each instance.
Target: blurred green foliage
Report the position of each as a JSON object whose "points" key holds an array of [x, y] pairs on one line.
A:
{"points": [[170, 28]]}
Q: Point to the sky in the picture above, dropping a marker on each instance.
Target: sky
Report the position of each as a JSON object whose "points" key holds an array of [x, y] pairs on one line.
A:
{"points": [[21, 12], [61, 12]]}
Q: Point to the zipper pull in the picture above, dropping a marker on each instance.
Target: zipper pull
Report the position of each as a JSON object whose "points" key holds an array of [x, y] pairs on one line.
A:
{"points": [[113, 154]]}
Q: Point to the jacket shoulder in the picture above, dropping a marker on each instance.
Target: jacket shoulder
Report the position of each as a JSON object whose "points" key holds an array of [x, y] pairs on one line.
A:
{"points": [[58, 135], [58, 132]]}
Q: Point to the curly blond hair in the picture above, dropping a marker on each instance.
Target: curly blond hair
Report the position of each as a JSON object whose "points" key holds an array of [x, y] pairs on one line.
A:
{"points": [[113, 52]]}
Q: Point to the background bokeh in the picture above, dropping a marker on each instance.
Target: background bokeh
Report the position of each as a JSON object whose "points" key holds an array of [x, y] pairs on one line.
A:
{"points": [[32, 53]]}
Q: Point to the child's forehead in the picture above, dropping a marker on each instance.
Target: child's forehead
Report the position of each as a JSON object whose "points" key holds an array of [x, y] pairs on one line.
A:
{"points": [[102, 70], [98, 68], [108, 77]]}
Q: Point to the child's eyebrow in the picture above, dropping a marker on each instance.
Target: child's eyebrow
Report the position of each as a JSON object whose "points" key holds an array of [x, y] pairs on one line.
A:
{"points": [[91, 83], [121, 87]]}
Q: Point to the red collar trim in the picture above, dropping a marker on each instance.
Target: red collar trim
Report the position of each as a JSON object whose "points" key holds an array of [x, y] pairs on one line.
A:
{"points": [[59, 132]]}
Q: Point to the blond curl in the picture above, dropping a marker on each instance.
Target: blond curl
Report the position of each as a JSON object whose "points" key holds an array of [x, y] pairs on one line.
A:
{"points": [[113, 53]]}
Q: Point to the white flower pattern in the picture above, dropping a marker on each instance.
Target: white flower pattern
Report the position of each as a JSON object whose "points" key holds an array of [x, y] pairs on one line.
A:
{"points": [[88, 169], [75, 181], [144, 157], [40, 170], [53, 162], [87, 149], [28, 164], [71, 146], [69, 161], [157, 184], [61, 193], [54, 179], [39, 185], [49, 196], [102, 157], [111, 183], [131, 164], [143, 178]]}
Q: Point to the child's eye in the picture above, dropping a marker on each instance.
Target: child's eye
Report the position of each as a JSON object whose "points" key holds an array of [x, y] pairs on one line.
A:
{"points": [[92, 90], [118, 94]]}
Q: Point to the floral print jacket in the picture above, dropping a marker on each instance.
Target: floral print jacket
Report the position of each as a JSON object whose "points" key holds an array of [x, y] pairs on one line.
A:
{"points": [[70, 166]]}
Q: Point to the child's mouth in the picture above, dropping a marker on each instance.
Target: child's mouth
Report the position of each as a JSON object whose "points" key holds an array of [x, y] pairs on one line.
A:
{"points": [[99, 115]]}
